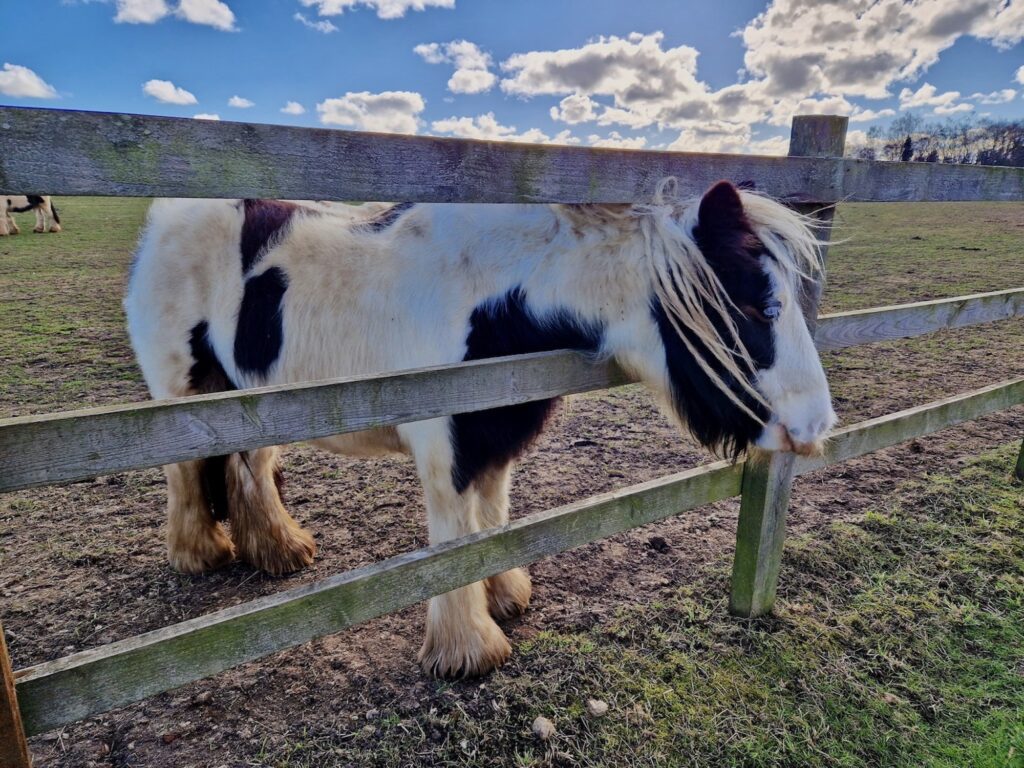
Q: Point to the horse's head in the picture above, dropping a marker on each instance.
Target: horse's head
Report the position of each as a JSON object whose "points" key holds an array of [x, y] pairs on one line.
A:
{"points": [[729, 275]]}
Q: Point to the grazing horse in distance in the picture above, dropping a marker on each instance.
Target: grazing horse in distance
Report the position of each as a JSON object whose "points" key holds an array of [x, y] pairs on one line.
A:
{"points": [[700, 299], [41, 204]]}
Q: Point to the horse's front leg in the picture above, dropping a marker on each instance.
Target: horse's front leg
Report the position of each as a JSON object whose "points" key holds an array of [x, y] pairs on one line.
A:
{"points": [[40, 219], [462, 640], [508, 593]]}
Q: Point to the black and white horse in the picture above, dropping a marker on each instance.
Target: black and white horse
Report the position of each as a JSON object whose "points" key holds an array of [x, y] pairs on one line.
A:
{"points": [[45, 210], [700, 299]]}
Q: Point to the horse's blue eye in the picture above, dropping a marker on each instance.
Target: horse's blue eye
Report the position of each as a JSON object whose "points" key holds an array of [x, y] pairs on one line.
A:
{"points": [[772, 309]]}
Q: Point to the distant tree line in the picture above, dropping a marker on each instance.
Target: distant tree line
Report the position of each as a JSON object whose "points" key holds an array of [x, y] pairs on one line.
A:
{"points": [[978, 141]]}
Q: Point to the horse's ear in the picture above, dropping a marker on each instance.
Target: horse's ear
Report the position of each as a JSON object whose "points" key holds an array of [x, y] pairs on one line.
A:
{"points": [[721, 211]]}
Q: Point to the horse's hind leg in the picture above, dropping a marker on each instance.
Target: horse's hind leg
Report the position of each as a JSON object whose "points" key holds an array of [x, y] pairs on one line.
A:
{"points": [[508, 593], [196, 542], [40, 219], [265, 535]]}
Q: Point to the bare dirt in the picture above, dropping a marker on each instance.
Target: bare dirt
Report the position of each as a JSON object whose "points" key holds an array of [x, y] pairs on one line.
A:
{"points": [[84, 564]]}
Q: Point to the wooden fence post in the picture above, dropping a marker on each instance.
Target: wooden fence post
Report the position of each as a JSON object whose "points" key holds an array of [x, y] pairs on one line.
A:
{"points": [[1019, 471], [766, 483], [13, 747]]}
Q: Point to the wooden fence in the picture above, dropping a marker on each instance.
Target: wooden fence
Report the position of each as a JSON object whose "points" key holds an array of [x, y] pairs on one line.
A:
{"points": [[82, 153]]}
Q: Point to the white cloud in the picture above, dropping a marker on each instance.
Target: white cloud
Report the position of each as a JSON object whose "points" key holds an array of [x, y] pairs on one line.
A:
{"points": [[776, 145], [574, 109], [928, 96], [1019, 77], [389, 111], [861, 47], [22, 82], [864, 115], [472, 65], [239, 103], [206, 116], [140, 11], [995, 97], [386, 9], [648, 84], [488, 128], [713, 136], [212, 13], [293, 108], [323, 26], [617, 141], [168, 92]]}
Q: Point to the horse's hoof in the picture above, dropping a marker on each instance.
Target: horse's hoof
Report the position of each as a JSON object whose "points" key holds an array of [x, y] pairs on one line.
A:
{"points": [[465, 652], [290, 549], [508, 593], [201, 555], [55, 228], [39, 230]]}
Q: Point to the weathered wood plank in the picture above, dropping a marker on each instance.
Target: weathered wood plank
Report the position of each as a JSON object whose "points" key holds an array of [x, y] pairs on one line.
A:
{"points": [[865, 326], [875, 434], [1018, 471], [115, 438], [760, 533], [133, 436], [94, 153], [13, 747], [761, 530], [96, 680]]}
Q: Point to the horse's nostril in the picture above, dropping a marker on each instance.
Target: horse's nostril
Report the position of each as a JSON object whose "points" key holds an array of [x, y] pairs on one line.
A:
{"points": [[795, 431]]}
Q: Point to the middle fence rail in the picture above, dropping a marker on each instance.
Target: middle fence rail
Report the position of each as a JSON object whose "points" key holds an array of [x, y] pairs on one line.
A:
{"points": [[95, 153]]}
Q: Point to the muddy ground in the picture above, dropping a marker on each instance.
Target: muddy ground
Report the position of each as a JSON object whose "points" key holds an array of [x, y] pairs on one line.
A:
{"points": [[83, 564]]}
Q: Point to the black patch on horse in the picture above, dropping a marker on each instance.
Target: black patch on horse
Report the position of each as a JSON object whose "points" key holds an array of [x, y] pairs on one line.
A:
{"points": [[505, 326], [262, 228], [385, 219], [727, 240], [260, 331], [205, 376]]}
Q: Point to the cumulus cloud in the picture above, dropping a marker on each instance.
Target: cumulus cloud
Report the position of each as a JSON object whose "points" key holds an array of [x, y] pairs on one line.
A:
{"points": [[616, 141], [1019, 77], [140, 11], [487, 127], [240, 103], [386, 9], [206, 116], [864, 115], [860, 48], [22, 82], [323, 26], [648, 84], [472, 65], [389, 111], [995, 97], [212, 13], [168, 92], [293, 108], [574, 109], [928, 96]]}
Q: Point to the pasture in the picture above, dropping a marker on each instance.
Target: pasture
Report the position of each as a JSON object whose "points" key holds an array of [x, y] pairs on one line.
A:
{"points": [[897, 637]]}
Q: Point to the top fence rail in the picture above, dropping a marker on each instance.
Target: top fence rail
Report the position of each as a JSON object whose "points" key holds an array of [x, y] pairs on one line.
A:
{"points": [[61, 152]]}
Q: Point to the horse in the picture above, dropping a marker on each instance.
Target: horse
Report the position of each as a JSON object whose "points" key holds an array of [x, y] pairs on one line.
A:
{"points": [[41, 204], [701, 299]]}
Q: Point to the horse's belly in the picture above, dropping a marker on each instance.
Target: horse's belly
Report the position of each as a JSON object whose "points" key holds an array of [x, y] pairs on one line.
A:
{"points": [[370, 442]]}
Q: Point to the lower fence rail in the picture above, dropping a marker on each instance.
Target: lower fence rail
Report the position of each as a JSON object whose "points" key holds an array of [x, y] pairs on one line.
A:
{"points": [[93, 681]]}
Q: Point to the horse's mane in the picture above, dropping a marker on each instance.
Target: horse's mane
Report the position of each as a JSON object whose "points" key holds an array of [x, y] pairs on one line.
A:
{"points": [[686, 285]]}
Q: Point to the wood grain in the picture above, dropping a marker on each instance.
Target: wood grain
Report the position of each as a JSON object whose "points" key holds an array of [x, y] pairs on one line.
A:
{"points": [[116, 438], [866, 326], [63, 152], [13, 747]]}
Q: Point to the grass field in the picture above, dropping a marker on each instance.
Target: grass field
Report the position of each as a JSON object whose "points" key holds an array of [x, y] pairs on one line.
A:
{"points": [[898, 640]]}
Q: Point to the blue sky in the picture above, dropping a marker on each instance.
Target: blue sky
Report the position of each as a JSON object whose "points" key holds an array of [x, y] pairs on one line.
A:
{"points": [[701, 76]]}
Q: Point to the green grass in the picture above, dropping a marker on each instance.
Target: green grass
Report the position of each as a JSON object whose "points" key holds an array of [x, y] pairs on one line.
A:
{"points": [[898, 640]]}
